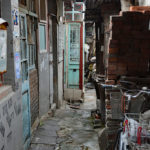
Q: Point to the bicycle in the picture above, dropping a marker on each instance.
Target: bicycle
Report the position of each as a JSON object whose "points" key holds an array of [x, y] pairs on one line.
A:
{"points": [[129, 134]]}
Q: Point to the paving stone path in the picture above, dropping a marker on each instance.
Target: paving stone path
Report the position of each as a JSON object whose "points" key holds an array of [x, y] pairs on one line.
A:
{"points": [[68, 130]]}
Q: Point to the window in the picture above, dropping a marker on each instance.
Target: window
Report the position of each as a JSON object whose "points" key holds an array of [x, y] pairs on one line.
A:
{"points": [[32, 40], [78, 7], [42, 10], [32, 6], [74, 42], [42, 37], [23, 48], [78, 17]]}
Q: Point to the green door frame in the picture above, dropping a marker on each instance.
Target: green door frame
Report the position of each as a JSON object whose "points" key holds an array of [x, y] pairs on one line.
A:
{"points": [[25, 82]]}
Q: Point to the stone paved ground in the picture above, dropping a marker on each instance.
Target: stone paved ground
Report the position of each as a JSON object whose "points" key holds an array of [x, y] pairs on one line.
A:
{"points": [[69, 129]]}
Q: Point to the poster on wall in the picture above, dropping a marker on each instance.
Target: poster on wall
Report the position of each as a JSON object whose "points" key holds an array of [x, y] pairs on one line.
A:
{"points": [[17, 62], [16, 42], [15, 16], [3, 51]]}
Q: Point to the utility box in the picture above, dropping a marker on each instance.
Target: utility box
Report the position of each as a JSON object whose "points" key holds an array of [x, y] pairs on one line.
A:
{"points": [[3, 46]]}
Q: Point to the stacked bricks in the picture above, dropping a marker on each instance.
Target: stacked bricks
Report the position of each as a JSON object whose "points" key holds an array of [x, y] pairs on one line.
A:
{"points": [[129, 45], [128, 54], [34, 96]]}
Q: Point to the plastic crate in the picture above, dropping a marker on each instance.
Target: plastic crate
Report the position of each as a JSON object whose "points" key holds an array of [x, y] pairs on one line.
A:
{"points": [[115, 101]]}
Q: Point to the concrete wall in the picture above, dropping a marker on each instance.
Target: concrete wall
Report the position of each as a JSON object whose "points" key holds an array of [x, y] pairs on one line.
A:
{"points": [[11, 122], [51, 79], [11, 131], [144, 2], [61, 44], [51, 60], [44, 70], [43, 83], [60, 83]]}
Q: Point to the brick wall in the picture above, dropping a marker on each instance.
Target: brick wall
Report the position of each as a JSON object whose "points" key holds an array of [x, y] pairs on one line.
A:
{"points": [[129, 47], [34, 96]]}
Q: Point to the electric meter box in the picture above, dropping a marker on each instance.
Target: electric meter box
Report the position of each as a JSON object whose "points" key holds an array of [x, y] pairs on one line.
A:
{"points": [[3, 46]]}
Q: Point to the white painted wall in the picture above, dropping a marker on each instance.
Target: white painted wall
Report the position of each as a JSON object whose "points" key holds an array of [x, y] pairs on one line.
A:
{"points": [[144, 2]]}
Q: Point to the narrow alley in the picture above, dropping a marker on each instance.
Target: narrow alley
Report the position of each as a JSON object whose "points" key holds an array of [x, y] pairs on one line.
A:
{"points": [[69, 129]]}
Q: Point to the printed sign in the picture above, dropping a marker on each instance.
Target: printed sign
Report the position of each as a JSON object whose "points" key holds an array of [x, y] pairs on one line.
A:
{"points": [[17, 62], [3, 50], [15, 16]]}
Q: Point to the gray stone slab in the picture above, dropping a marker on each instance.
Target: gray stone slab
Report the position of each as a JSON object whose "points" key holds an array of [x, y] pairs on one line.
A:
{"points": [[41, 147], [48, 127], [49, 133], [60, 139], [42, 139], [50, 122]]}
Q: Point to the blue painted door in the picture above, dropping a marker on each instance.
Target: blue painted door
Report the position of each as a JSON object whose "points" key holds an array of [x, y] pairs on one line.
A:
{"points": [[25, 81], [73, 55]]}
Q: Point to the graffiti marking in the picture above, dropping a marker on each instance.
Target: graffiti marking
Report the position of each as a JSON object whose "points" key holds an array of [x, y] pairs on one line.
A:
{"points": [[2, 129]]}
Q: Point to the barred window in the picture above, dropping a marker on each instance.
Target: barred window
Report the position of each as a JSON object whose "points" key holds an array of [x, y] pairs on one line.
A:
{"points": [[32, 40]]}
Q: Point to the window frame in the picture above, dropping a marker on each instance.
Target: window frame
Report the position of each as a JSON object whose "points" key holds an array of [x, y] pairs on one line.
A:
{"points": [[32, 6], [32, 51], [44, 50]]}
